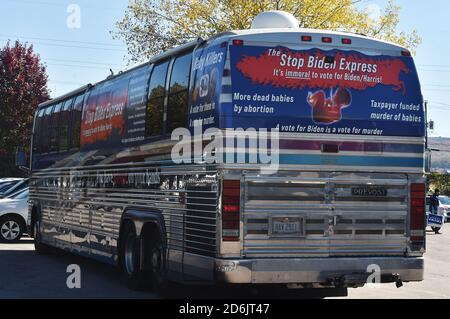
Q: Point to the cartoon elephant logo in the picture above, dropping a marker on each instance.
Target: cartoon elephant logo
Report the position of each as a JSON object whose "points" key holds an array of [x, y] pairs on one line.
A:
{"points": [[328, 110]]}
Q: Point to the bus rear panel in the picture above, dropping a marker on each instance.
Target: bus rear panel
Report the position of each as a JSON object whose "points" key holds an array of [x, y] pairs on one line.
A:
{"points": [[348, 194]]}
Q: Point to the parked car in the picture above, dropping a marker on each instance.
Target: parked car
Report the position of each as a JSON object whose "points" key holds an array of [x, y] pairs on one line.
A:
{"points": [[14, 216], [444, 206], [18, 185], [6, 183]]}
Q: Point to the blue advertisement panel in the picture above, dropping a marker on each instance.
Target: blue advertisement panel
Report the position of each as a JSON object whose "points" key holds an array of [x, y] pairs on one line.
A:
{"points": [[206, 83], [327, 92]]}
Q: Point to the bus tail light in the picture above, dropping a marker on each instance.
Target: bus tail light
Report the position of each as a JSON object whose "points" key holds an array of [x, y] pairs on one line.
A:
{"points": [[306, 38], [327, 39], [346, 41], [417, 213], [406, 53], [231, 210], [238, 42]]}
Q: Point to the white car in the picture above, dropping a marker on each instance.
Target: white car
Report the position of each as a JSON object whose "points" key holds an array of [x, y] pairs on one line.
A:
{"points": [[7, 183], [13, 216], [444, 206]]}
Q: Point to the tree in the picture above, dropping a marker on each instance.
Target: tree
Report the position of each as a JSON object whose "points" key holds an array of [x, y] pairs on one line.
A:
{"points": [[23, 85], [151, 26], [439, 181]]}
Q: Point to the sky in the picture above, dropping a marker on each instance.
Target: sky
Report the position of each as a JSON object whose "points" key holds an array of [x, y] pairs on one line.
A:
{"points": [[73, 39]]}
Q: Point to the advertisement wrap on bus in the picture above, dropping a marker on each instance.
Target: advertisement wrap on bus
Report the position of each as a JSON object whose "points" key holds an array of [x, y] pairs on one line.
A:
{"points": [[207, 68], [114, 113], [327, 92]]}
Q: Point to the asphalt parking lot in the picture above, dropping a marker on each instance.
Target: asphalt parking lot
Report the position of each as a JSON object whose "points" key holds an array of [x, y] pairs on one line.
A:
{"points": [[26, 274]]}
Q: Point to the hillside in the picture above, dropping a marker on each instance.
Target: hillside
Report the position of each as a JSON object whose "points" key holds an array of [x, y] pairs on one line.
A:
{"points": [[440, 160]]}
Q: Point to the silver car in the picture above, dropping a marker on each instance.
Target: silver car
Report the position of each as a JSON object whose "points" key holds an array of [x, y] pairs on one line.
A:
{"points": [[14, 216]]}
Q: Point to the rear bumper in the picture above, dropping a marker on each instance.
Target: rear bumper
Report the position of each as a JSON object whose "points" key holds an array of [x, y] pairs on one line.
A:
{"points": [[317, 270]]}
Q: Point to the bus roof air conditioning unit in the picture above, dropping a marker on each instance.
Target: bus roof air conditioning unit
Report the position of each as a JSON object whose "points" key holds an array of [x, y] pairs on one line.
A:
{"points": [[275, 19]]}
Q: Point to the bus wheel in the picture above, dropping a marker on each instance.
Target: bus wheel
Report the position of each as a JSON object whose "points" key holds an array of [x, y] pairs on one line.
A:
{"points": [[158, 275], [40, 247], [11, 229], [130, 252]]}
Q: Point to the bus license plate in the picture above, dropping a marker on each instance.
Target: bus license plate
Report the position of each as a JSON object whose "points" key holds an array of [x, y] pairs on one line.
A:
{"points": [[369, 191], [287, 226]]}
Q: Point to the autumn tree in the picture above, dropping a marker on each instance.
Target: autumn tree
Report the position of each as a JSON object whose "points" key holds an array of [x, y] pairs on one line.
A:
{"points": [[23, 85], [439, 181], [151, 26]]}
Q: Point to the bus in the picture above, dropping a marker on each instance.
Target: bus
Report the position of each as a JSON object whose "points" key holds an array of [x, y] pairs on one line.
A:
{"points": [[321, 184]]}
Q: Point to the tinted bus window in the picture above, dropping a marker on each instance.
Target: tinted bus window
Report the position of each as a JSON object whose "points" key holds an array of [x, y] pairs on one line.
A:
{"points": [[178, 93], [37, 131], [155, 105], [55, 125], [46, 130], [76, 121], [65, 119]]}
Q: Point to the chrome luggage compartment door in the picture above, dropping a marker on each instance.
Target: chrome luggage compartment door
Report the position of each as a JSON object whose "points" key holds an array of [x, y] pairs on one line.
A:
{"points": [[284, 215], [321, 214], [370, 213]]}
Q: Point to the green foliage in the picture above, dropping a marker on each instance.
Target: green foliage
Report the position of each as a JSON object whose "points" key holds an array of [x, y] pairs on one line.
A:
{"points": [[152, 26], [439, 181]]}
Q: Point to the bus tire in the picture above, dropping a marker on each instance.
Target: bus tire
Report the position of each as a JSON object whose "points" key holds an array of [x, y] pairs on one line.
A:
{"points": [[130, 259], [39, 246], [156, 262]]}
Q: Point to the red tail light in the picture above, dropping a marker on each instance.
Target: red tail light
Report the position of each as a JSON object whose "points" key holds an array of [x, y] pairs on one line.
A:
{"points": [[306, 38], [417, 213], [238, 42], [346, 41], [327, 39], [231, 210], [406, 53]]}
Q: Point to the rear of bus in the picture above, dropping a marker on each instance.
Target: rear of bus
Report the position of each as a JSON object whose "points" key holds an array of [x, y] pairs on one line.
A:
{"points": [[347, 200]]}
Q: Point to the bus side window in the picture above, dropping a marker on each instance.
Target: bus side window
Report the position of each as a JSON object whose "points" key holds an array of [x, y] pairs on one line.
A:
{"points": [[178, 93], [46, 130], [77, 110], [55, 125], [38, 131], [155, 106], [65, 124]]}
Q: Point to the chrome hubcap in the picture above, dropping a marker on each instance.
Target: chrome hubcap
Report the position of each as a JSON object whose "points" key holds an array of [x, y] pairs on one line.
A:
{"points": [[10, 230]]}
